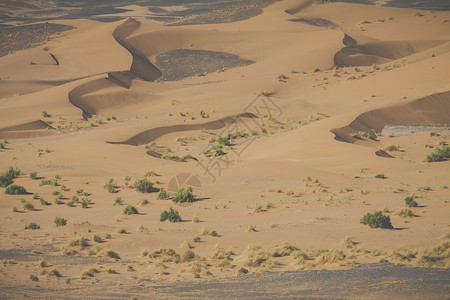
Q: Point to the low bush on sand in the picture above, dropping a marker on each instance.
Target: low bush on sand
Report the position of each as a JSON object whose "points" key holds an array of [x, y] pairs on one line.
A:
{"points": [[377, 220]]}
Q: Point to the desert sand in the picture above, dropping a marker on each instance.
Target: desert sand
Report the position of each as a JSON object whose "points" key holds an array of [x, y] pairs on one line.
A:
{"points": [[331, 109]]}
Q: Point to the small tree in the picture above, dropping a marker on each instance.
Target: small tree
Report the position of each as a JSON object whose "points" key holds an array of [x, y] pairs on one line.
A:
{"points": [[171, 215], [33, 175], [129, 210], [377, 220], [183, 195]]}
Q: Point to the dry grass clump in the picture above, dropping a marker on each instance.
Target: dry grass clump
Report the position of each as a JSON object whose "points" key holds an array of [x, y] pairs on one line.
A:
{"points": [[79, 242], [166, 255], [108, 253], [186, 245], [285, 249], [89, 273], [222, 258], [331, 256], [348, 242], [405, 213], [437, 256], [205, 231], [199, 269], [258, 257], [392, 148]]}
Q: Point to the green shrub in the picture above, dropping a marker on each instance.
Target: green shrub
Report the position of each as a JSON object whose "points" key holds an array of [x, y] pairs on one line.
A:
{"points": [[43, 202], [48, 182], [410, 202], [143, 185], [162, 195], [118, 201], [7, 177], [85, 202], [129, 210], [377, 220], [183, 195], [33, 175], [28, 206], [97, 239], [171, 215], [110, 186], [380, 176], [226, 140], [440, 154], [14, 189], [60, 221], [32, 226]]}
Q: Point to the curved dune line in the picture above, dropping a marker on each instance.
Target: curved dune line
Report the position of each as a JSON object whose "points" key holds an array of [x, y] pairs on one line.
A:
{"points": [[27, 130], [150, 135], [430, 110], [141, 65], [379, 52], [89, 97]]}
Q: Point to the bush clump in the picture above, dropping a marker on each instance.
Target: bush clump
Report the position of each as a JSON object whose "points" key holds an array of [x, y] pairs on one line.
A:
{"points": [[410, 202], [7, 177], [172, 215], [183, 195], [143, 185], [33, 175], [130, 210], [32, 226], [110, 186], [60, 221], [162, 195], [440, 154], [14, 189], [377, 220]]}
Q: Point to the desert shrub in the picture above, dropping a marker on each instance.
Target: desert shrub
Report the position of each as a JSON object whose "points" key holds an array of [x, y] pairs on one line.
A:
{"points": [[48, 182], [440, 154], [7, 177], [85, 202], [118, 201], [27, 206], [183, 195], [14, 189], [172, 215], [34, 278], [33, 175], [32, 226], [60, 221], [226, 140], [392, 148], [80, 242], [143, 185], [162, 195], [121, 230], [377, 220], [380, 176], [97, 238], [58, 201], [410, 202], [54, 272], [405, 213], [110, 186], [45, 114], [129, 210], [43, 202], [242, 271]]}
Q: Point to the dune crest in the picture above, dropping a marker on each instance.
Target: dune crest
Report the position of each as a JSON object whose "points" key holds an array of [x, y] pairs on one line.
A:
{"points": [[429, 110]]}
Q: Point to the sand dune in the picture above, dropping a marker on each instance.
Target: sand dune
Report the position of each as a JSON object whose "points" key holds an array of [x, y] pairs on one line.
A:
{"points": [[378, 52], [282, 175], [430, 110], [150, 135]]}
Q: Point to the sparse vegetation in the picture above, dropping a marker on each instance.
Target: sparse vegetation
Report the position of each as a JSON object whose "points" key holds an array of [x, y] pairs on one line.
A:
{"points": [[172, 215], [32, 226], [377, 220], [440, 154], [380, 176], [410, 202], [130, 210], [14, 189], [162, 195], [143, 185], [110, 185], [60, 221], [33, 175], [405, 213], [118, 201], [183, 195]]}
